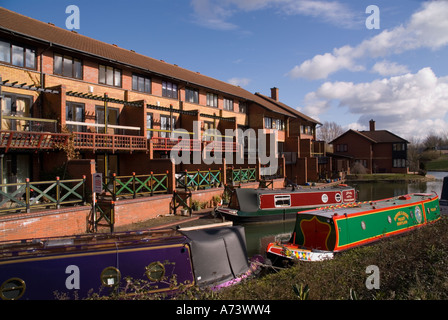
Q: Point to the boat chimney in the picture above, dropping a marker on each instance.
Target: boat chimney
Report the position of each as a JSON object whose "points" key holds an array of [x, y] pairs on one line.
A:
{"points": [[274, 93], [372, 125]]}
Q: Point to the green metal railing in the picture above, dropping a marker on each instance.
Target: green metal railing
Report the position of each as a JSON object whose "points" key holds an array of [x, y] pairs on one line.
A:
{"points": [[242, 175], [136, 185], [198, 179], [28, 195]]}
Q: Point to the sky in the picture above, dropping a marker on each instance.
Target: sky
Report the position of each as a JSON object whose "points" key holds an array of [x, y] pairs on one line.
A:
{"points": [[333, 60]]}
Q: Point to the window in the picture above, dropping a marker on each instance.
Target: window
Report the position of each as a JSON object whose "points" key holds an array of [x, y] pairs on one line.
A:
{"points": [[149, 118], [243, 107], [112, 119], [17, 55], [19, 106], [268, 123], [75, 112], [279, 124], [109, 75], [67, 66], [399, 147], [341, 148], [282, 200], [191, 95], [169, 89], [399, 163], [228, 104], [165, 126], [212, 100], [141, 84]]}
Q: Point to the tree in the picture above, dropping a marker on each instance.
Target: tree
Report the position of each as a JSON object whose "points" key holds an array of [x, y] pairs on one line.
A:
{"points": [[329, 131]]}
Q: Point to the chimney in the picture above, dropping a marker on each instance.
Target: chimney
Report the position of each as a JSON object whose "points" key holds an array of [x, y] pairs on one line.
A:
{"points": [[372, 125], [274, 93]]}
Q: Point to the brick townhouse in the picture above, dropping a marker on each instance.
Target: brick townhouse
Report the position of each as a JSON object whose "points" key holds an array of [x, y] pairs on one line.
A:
{"points": [[75, 105], [378, 151]]}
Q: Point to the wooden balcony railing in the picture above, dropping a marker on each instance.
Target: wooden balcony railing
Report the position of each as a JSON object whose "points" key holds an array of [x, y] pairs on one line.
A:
{"points": [[166, 144], [111, 142], [31, 140]]}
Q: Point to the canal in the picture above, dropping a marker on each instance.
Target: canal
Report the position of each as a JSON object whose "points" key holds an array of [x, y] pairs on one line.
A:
{"points": [[258, 235]]}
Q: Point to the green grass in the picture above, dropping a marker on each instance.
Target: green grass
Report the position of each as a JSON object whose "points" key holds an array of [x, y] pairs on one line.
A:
{"points": [[439, 164], [385, 177], [411, 267]]}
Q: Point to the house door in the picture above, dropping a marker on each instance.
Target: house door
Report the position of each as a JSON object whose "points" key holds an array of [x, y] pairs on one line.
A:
{"points": [[75, 112], [165, 126], [13, 105], [112, 119]]}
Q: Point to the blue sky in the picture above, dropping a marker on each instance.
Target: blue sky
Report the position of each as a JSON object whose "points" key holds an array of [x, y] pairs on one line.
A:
{"points": [[320, 54]]}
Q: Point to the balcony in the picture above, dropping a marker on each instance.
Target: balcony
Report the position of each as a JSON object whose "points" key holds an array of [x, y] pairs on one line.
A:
{"points": [[106, 141], [30, 133], [31, 140]]}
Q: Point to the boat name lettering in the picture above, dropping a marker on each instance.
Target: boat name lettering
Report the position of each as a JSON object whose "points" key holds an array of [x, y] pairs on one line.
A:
{"points": [[401, 218]]}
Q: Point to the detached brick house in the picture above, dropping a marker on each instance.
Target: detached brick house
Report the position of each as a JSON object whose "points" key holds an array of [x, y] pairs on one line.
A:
{"points": [[379, 151]]}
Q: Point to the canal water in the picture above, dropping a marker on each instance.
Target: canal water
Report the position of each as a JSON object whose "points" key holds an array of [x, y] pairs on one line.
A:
{"points": [[258, 235]]}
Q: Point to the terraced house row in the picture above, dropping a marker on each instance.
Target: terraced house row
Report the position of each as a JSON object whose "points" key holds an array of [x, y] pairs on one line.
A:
{"points": [[73, 106]]}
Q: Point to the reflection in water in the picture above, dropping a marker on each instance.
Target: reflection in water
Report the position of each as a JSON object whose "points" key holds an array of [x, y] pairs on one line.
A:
{"points": [[260, 234]]}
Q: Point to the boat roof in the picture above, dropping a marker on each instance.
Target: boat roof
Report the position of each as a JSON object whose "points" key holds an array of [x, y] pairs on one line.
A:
{"points": [[359, 207], [248, 197], [86, 242]]}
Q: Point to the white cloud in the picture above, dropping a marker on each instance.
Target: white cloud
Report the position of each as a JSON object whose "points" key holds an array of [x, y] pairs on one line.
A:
{"points": [[241, 82], [387, 68], [215, 14], [408, 105], [427, 28]]}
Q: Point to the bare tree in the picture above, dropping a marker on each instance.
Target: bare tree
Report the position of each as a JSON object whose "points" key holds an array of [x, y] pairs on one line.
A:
{"points": [[329, 131]]}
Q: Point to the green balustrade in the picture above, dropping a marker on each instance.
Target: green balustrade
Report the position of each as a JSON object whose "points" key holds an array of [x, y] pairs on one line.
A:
{"points": [[28, 195]]}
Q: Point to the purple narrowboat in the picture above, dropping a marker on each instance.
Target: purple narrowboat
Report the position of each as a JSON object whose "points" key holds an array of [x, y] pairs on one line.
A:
{"points": [[45, 269]]}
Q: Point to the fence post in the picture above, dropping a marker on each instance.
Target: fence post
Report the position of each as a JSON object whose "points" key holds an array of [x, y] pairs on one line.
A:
{"points": [[84, 193], [151, 183], [58, 204], [114, 186], [27, 195], [133, 186]]}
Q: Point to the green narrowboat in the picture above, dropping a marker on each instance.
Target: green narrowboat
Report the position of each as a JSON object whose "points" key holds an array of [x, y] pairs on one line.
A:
{"points": [[320, 233]]}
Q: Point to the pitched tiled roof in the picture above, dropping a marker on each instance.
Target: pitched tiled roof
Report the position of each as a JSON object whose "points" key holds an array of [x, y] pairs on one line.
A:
{"points": [[287, 108], [377, 136], [383, 136], [59, 37]]}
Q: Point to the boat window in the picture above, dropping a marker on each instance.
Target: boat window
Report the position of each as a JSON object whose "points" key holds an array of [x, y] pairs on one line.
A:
{"points": [[282, 200], [12, 289], [155, 271], [363, 225], [110, 276]]}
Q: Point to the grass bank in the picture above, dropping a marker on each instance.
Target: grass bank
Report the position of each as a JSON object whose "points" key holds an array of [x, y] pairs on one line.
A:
{"points": [[388, 177], [439, 164], [412, 266]]}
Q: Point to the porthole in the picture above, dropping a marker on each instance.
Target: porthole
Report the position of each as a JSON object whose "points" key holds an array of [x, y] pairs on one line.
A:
{"points": [[363, 225], [12, 289], [110, 276], [155, 271], [389, 219]]}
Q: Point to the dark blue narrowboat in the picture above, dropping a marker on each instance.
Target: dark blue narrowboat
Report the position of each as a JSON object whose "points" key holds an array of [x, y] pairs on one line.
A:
{"points": [[46, 269]]}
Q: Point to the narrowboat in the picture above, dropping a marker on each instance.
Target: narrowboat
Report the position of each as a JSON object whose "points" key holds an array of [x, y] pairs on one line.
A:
{"points": [[443, 202], [319, 234], [69, 267], [256, 205]]}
